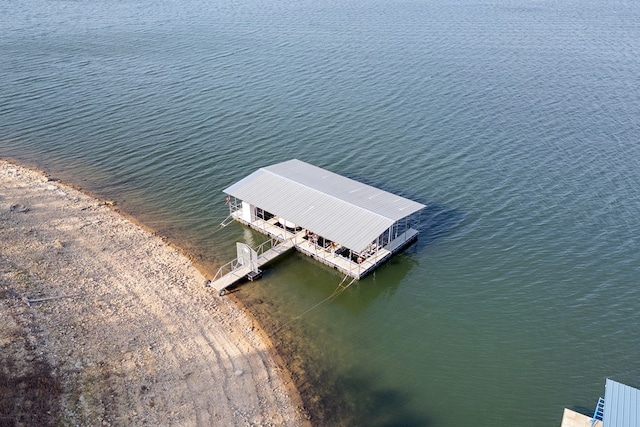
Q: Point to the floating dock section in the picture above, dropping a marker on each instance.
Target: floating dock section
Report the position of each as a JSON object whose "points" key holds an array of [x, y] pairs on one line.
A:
{"points": [[345, 224]]}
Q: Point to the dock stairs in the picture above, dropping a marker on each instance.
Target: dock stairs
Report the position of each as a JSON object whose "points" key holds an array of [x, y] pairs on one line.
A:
{"points": [[248, 262], [598, 414]]}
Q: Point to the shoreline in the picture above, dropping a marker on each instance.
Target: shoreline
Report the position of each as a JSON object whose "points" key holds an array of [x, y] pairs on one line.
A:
{"points": [[83, 313]]}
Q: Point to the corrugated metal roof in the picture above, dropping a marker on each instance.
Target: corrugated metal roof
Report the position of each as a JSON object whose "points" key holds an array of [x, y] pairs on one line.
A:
{"points": [[621, 405], [338, 208]]}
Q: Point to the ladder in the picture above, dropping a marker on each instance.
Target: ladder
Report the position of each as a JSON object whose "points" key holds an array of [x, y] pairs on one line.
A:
{"points": [[598, 414]]}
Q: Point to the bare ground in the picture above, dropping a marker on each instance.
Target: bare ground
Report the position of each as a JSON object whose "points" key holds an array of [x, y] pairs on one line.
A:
{"points": [[103, 323]]}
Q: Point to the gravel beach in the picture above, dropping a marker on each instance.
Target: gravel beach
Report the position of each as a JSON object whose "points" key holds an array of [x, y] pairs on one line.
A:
{"points": [[104, 323]]}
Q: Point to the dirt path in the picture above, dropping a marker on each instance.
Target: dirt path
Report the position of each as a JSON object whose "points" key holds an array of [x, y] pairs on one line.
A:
{"points": [[132, 337]]}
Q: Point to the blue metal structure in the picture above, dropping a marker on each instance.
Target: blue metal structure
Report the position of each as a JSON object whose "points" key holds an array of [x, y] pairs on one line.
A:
{"points": [[598, 414], [620, 406]]}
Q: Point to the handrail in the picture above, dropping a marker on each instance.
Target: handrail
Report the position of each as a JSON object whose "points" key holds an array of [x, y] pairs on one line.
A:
{"points": [[233, 263], [269, 244]]}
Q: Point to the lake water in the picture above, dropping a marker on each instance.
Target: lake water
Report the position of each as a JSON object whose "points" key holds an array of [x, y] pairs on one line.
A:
{"points": [[517, 122]]}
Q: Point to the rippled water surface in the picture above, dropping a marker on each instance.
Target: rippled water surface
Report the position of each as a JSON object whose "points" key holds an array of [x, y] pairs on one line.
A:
{"points": [[517, 123]]}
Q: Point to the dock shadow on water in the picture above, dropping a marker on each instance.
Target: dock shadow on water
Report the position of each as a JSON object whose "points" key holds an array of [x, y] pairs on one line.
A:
{"points": [[332, 395]]}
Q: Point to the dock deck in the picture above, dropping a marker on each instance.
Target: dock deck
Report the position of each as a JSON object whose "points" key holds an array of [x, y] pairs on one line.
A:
{"points": [[329, 256], [574, 419], [298, 239], [230, 278]]}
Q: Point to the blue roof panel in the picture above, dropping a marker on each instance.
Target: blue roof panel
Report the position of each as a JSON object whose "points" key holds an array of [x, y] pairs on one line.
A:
{"points": [[621, 405]]}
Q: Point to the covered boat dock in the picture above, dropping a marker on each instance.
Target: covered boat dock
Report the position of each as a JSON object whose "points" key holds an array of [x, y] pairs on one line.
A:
{"points": [[345, 224]]}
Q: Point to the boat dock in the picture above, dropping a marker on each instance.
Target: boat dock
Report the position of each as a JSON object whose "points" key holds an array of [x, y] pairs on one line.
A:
{"points": [[345, 224]]}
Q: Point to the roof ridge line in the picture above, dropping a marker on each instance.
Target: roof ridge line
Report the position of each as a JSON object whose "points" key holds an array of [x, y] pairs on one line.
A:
{"points": [[331, 195]]}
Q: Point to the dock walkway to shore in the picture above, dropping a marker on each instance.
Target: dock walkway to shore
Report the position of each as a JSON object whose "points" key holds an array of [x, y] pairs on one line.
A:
{"points": [[241, 271]]}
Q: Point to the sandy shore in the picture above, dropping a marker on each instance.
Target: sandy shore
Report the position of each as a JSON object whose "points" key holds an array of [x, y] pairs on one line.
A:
{"points": [[103, 323]]}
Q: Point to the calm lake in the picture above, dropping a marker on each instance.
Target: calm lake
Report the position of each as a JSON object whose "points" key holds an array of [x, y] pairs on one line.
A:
{"points": [[516, 122]]}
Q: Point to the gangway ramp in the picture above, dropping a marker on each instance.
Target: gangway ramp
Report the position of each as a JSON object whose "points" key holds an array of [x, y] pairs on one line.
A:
{"points": [[230, 278], [248, 263]]}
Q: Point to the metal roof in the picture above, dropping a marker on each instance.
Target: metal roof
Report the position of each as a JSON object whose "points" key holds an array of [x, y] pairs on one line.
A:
{"points": [[621, 405], [338, 208]]}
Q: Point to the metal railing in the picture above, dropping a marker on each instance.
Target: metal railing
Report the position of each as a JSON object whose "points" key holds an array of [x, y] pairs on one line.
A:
{"points": [[269, 244], [260, 249], [226, 269]]}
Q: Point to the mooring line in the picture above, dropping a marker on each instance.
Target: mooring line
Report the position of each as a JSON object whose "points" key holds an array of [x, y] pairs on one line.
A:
{"points": [[215, 230], [340, 289]]}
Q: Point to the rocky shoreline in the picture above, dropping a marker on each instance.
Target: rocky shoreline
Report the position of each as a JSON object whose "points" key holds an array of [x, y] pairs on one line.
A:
{"points": [[104, 323]]}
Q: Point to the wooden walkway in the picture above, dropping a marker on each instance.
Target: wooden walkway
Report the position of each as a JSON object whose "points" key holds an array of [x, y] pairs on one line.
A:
{"points": [[574, 419]]}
